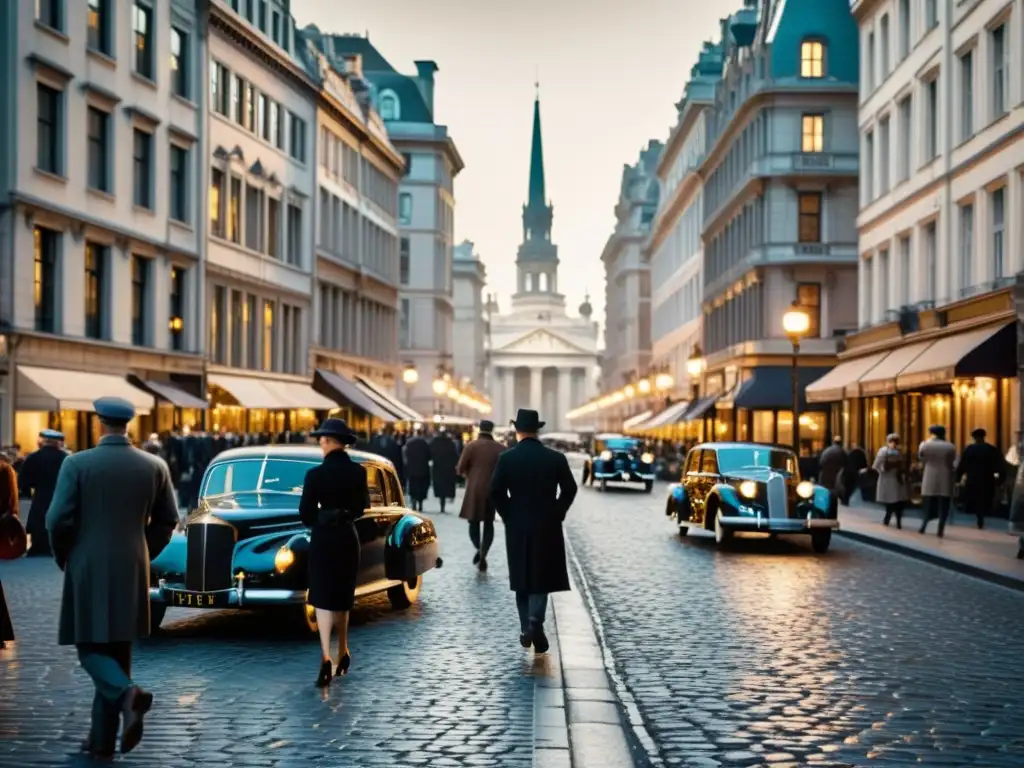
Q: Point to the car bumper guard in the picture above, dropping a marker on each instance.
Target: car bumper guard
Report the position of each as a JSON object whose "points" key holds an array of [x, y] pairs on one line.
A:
{"points": [[624, 475], [236, 597], [778, 524]]}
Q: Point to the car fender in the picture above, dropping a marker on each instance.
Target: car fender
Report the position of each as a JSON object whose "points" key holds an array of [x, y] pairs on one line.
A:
{"points": [[676, 500], [256, 555], [173, 557], [726, 495], [411, 548], [822, 499]]}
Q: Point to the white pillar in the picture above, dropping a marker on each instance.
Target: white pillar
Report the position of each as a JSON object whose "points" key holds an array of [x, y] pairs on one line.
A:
{"points": [[509, 394], [536, 390], [564, 398]]}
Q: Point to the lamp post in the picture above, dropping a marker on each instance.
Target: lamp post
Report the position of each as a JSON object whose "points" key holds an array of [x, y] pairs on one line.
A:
{"points": [[440, 386], [410, 376], [796, 322], [695, 367]]}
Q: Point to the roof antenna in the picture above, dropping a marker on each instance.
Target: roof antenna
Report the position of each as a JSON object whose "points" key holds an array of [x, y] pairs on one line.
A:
{"points": [[536, 81]]}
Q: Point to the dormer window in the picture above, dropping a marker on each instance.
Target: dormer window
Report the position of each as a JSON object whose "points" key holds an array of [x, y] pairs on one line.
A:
{"points": [[389, 107], [812, 59]]}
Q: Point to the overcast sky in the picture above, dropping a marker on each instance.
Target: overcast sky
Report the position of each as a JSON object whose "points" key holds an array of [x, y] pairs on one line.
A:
{"points": [[610, 73]]}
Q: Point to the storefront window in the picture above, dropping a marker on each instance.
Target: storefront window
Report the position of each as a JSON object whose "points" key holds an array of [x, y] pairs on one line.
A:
{"points": [[876, 418], [27, 426], [979, 411], [938, 409], [812, 433], [764, 427], [785, 432], [1009, 391], [743, 425]]}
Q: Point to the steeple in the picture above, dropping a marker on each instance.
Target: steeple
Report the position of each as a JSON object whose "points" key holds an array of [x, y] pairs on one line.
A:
{"points": [[537, 197], [537, 214]]}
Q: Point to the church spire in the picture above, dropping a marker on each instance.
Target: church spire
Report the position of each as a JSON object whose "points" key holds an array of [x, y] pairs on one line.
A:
{"points": [[537, 198]]}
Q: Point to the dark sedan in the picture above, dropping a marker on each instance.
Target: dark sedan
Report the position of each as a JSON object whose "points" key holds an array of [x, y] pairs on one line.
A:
{"points": [[245, 546], [728, 487], [619, 459]]}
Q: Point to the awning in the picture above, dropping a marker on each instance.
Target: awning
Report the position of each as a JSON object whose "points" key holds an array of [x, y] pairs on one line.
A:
{"points": [[391, 402], [456, 421], [698, 408], [172, 394], [666, 417], [52, 389], [770, 388], [881, 380], [345, 391], [831, 387], [989, 351], [299, 395], [270, 394], [633, 421]]}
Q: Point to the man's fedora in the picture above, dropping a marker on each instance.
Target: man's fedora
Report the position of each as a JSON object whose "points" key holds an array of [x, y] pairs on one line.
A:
{"points": [[337, 429], [527, 421]]}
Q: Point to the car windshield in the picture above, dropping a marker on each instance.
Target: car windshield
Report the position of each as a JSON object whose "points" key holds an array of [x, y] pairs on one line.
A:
{"points": [[262, 475], [745, 457], [621, 444]]}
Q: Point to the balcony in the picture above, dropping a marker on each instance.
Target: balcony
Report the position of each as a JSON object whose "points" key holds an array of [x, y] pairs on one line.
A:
{"points": [[777, 255]]}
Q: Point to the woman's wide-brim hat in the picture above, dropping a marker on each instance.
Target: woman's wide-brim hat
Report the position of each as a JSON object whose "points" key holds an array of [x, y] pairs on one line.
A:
{"points": [[337, 429]]}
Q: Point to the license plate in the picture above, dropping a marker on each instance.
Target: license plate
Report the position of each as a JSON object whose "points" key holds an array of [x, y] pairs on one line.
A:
{"points": [[198, 599]]}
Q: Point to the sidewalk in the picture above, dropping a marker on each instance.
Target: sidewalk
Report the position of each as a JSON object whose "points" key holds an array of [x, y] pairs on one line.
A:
{"points": [[989, 554]]}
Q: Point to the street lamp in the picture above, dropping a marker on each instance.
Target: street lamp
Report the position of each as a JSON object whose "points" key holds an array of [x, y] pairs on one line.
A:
{"points": [[695, 367], [644, 385], [410, 376], [796, 323]]}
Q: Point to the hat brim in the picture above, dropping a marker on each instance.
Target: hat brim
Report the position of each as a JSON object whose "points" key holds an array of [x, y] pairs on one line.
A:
{"points": [[529, 427], [345, 438]]}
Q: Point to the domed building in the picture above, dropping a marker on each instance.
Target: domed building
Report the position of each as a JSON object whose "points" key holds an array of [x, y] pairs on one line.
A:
{"points": [[540, 356]]}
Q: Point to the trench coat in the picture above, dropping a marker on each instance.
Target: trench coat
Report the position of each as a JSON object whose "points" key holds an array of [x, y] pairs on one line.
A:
{"points": [[532, 489], [113, 511], [983, 470], [38, 478], [417, 467], [938, 458], [477, 464], [892, 486], [444, 456]]}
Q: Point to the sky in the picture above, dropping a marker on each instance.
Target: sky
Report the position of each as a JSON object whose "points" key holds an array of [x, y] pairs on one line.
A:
{"points": [[610, 73]]}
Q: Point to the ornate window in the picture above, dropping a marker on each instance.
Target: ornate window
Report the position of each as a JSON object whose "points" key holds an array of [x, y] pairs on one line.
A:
{"points": [[389, 106], [812, 59]]}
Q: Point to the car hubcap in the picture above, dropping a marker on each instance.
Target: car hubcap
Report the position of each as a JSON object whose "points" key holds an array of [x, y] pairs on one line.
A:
{"points": [[719, 531]]}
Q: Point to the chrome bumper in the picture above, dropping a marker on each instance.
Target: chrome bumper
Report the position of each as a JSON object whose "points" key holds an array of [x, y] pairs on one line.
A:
{"points": [[237, 597], [625, 476], [778, 524]]}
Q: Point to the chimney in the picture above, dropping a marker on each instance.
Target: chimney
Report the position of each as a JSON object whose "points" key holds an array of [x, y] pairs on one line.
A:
{"points": [[425, 80], [354, 65]]}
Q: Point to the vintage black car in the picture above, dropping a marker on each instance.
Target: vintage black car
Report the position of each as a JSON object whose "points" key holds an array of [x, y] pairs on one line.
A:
{"points": [[728, 487], [619, 459], [245, 546]]}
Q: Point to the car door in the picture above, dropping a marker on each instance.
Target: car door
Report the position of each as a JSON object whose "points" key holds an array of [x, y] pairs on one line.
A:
{"points": [[708, 478], [691, 484], [373, 527]]}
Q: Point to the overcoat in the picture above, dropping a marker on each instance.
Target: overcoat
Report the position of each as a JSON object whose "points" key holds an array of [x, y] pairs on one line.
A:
{"points": [[337, 484], [892, 487], [938, 457], [417, 467], [444, 455], [38, 478], [113, 511], [983, 470], [830, 466], [532, 489], [477, 464]]}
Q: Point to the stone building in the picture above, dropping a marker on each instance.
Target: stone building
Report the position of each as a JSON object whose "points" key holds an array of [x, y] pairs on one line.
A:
{"points": [[469, 330]]}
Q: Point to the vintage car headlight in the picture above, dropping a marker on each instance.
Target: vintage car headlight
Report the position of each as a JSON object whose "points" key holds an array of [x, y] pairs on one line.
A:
{"points": [[283, 559], [805, 489], [606, 455], [748, 488], [647, 458]]}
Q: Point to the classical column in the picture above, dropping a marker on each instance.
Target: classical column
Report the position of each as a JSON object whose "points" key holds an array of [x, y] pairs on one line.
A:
{"points": [[564, 398], [536, 389], [508, 394]]}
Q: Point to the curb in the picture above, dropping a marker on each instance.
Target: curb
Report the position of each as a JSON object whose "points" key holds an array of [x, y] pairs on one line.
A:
{"points": [[941, 561]]}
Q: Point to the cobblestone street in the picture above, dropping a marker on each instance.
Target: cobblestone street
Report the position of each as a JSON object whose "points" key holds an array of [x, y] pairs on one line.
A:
{"points": [[768, 654], [445, 684]]}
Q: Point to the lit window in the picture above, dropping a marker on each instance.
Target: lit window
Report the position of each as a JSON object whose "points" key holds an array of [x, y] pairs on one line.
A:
{"points": [[812, 59], [813, 133], [389, 109], [810, 217]]}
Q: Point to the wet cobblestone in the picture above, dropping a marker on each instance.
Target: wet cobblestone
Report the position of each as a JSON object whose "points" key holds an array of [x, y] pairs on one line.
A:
{"points": [[770, 655], [443, 684]]}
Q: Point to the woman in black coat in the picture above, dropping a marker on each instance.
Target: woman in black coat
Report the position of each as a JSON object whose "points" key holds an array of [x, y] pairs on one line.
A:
{"points": [[334, 495]]}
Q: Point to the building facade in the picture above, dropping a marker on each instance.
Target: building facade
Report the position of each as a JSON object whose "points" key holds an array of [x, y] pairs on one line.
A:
{"points": [[779, 216], [627, 273], [469, 329], [540, 357], [940, 225], [100, 249]]}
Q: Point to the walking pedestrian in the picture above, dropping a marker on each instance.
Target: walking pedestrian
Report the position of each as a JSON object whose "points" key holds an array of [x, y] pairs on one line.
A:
{"points": [[113, 511], [532, 489], [937, 456], [417, 468], [37, 480], [444, 457], [830, 465], [388, 447], [476, 464], [334, 495], [982, 470], [891, 489], [12, 537]]}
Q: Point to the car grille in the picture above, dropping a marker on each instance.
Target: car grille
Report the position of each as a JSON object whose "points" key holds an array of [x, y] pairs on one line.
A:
{"points": [[209, 552]]}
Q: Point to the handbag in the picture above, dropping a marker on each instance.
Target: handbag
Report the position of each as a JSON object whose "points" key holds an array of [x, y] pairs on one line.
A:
{"points": [[13, 539]]}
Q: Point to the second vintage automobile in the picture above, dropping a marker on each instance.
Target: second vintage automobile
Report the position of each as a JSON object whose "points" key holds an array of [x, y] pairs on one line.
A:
{"points": [[619, 459], [245, 547], [728, 487]]}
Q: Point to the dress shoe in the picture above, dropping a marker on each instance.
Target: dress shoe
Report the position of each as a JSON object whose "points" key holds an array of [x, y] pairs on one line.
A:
{"points": [[136, 704], [476, 558], [526, 638], [540, 640]]}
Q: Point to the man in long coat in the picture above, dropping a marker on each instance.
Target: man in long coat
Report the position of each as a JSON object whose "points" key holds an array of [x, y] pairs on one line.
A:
{"points": [[982, 469], [387, 446], [476, 464], [444, 457], [938, 457], [417, 468], [38, 478], [532, 489], [113, 511], [830, 466]]}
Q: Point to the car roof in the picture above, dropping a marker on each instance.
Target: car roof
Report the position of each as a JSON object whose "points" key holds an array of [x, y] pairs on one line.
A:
{"points": [[286, 451], [752, 446]]}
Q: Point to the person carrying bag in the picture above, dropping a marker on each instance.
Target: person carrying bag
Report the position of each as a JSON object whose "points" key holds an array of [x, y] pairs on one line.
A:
{"points": [[13, 539]]}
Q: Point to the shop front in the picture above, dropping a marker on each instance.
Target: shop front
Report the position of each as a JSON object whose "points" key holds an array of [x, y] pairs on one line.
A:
{"points": [[179, 406], [256, 404], [361, 412]]}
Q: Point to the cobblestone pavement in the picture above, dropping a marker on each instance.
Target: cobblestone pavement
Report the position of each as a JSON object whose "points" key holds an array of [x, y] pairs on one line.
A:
{"points": [[444, 684], [770, 655]]}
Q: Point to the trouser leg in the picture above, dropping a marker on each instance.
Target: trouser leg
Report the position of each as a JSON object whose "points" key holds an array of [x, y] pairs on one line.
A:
{"points": [[474, 533], [523, 606], [488, 537], [927, 511], [538, 608], [109, 666], [943, 505]]}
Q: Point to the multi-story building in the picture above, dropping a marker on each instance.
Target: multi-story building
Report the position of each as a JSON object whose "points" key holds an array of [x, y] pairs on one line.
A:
{"points": [[426, 208], [941, 224], [627, 274], [469, 329], [262, 90], [100, 250], [779, 215]]}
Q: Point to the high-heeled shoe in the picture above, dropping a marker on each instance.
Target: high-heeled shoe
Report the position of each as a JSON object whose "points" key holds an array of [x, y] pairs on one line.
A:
{"points": [[343, 665], [324, 678]]}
